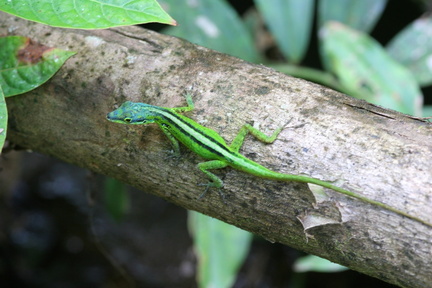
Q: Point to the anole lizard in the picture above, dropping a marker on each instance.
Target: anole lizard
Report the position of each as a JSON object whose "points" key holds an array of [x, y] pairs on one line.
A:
{"points": [[208, 144]]}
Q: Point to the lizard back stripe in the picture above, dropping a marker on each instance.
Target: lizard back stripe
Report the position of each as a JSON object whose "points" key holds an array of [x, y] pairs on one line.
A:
{"points": [[195, 134]]}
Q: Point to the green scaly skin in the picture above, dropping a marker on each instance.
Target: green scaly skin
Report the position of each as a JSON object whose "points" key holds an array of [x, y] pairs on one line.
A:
{"points": [[208, 144]]}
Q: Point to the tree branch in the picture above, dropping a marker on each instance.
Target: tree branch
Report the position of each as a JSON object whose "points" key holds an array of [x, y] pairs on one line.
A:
{"points": [[380, 154]]}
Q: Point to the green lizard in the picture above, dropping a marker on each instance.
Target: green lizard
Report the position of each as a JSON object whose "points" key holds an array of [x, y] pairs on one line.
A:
{"points": [[208, 144]]}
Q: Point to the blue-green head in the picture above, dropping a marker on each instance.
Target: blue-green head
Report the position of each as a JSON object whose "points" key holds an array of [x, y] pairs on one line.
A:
{"points": [[134, 113]]}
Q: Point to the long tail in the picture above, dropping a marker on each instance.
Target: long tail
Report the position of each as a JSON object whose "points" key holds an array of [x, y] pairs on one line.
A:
{"points": [[256, 169], [305, 179]]}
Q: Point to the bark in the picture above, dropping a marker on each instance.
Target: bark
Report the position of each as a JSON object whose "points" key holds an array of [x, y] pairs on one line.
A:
{"points": [[380, 154]]}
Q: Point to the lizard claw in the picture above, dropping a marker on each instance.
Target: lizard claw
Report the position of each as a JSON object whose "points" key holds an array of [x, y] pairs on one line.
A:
{"points": [[171, 154], [208, 185]]}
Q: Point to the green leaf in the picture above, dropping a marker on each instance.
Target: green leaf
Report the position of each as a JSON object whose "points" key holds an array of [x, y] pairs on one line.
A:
{"points": [[366, 71], [3, 119], [427, 111], [88, 14], [412, 47], [221, 249], [317, 264], [116, 198], [25, 65], [290, 22], [360, 15], [212, 24]]}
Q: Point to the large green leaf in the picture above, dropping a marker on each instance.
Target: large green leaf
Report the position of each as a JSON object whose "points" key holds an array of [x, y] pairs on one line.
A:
{"points": [[24, 65], [427, 111], [412, 47], [360, 15], [3, 119], [221, 249], [316, 264], [87, 14], [290, 22], [366, 71], [116, 198], [212, 24]]}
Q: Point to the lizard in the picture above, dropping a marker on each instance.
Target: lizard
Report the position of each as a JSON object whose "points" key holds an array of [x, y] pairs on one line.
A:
{"points": [[208, 144]]}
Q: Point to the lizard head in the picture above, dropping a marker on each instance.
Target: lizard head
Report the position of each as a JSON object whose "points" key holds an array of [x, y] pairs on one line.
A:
{"points": [[133, 113]]}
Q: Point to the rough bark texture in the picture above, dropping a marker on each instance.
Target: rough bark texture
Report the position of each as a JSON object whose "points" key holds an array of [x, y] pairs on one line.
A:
{"points": [[377, 153]]}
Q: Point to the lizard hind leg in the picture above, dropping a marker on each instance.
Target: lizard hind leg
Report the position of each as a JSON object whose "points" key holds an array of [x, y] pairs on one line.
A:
{"points": [[215, 182], [247, 128]]}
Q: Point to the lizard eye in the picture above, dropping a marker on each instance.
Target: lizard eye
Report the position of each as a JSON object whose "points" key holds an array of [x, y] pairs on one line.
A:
{"points": [[127, 120]]}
